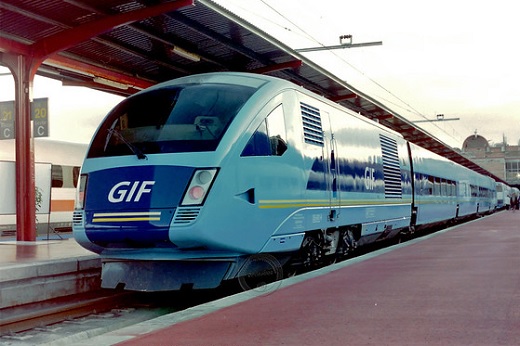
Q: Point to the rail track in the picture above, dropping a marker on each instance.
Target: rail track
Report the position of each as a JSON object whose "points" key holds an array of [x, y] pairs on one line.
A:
{"points": [[58, 321], [29, 316]]}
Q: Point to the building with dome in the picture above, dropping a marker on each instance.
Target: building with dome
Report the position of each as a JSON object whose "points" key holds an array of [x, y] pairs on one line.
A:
{"points": [[501, 159]]}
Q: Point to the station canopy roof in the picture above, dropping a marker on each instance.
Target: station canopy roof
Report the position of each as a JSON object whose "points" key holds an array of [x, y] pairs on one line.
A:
{"points": [[123, 46]]}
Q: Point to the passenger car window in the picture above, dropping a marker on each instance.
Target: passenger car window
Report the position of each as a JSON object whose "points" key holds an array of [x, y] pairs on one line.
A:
{"points": [[270, 138], [258, 145], [57, 176]]}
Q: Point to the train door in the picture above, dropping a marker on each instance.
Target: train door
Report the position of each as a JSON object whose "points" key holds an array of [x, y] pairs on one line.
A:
{"points": [[332, 171]]}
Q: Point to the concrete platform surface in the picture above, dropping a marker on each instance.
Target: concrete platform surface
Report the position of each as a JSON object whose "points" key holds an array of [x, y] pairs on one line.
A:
{"points": [[32, 272], [460, 286], [15, 253]]}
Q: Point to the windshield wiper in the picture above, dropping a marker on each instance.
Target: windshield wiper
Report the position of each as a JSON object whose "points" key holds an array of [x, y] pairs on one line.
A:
{"points": [[140, 155]]}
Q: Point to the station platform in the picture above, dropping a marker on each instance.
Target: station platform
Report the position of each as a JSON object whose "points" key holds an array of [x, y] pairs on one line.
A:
{"points": [[32, 272], [17, 253], [460, 286]]}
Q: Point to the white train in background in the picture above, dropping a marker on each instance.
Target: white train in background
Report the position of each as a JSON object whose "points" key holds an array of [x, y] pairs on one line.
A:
{"points": [[57, 167]]}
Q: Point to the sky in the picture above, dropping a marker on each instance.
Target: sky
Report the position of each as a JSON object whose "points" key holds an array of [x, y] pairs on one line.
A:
{"points": [[456, 58]]}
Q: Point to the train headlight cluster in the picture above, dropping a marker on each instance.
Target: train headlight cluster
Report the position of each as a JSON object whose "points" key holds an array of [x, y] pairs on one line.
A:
{"points": [[80, 192], [199, 186]]}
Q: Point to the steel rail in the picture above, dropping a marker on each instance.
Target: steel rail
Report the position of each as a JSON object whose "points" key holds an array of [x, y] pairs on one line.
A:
{"points": [[29, 316]]}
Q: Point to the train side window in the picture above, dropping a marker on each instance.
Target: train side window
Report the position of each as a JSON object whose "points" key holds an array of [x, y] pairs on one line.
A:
{"points": [[445, 187], [269, 139], [474, 190], [276, 131], [423, 183], [453, 188], [436, 187], [465, 190], [57, 176], [258, 144], [429, 189]]}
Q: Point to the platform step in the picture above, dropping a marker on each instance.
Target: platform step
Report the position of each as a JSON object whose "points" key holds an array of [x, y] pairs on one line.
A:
{"points": [[36, 282]]}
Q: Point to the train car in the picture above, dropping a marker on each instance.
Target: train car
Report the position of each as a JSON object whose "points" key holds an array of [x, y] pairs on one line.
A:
{"points": [[188, 180], [436, 196], [57, 167], [503, 193], [445, 191]]}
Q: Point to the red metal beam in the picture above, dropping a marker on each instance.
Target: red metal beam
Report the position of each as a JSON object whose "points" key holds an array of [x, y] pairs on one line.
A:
{"points": [[71, 37], [17, 48], [93, 70], [340, 98], [100, 87], [14, 47], [384, 116], [278, 67]]}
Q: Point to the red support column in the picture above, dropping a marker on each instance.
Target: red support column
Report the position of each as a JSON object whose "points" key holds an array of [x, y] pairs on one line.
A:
{"points": [[21, 67]]}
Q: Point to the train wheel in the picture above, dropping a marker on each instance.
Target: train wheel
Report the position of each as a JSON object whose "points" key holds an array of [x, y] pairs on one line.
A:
{"points": [[346, 245], [311, 252], [259, 270]]}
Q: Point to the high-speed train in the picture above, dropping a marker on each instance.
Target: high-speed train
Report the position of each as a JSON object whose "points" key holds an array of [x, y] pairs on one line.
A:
{"points": [[57, 167], [186, 181]]}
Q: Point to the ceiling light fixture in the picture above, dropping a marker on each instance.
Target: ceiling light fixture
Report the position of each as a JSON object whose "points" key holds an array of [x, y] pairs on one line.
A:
{"points": [[185, 54], [111, 83]]}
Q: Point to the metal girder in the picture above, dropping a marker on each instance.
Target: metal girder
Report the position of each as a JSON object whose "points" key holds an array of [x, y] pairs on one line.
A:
{"points": [[68, 38], [340, 98], [278, 67]]}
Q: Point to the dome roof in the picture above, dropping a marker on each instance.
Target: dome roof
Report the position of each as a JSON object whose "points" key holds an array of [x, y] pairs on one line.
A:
{"points": [[475, 142]]}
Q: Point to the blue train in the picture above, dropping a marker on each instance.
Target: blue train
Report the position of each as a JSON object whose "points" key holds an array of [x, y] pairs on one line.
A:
{"points": [[185, 181]]}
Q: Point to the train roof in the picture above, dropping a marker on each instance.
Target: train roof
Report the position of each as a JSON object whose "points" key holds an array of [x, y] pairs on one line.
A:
{"points": [[257, 80], [46, 150]]}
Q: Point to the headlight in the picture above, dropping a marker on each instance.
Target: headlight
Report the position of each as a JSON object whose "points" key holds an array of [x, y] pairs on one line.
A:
{"points": [[80, 192], [199, 186]]}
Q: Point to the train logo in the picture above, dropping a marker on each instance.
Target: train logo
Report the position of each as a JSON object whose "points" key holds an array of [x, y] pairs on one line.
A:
{"points": [[370, 178], [118, 192]]}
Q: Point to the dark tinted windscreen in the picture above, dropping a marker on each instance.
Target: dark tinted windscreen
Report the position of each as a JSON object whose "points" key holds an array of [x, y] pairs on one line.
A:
{"points": [[185, 118]]}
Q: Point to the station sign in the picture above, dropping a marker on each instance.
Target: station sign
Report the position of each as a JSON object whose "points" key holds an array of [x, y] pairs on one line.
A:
{"points": [[7, 120], [39, 116]]}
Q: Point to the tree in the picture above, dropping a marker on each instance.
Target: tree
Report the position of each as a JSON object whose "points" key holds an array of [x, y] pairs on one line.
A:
{"points": [[39, 198]]}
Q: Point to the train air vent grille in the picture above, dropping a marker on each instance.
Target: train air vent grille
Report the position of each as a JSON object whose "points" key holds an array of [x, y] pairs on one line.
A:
{"points": [[77, 218], [312, 131], [185, 216], [391, 167]]}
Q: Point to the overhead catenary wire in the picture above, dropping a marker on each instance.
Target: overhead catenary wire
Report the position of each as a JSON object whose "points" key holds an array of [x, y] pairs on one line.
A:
{"points": [[296, 29]]}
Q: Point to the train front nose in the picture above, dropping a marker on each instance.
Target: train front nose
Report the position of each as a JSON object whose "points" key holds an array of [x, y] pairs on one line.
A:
{"points": [[132, 207]]}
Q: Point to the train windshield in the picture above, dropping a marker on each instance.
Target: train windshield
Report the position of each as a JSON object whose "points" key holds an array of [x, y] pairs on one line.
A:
{"points": [[181, 118]]}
